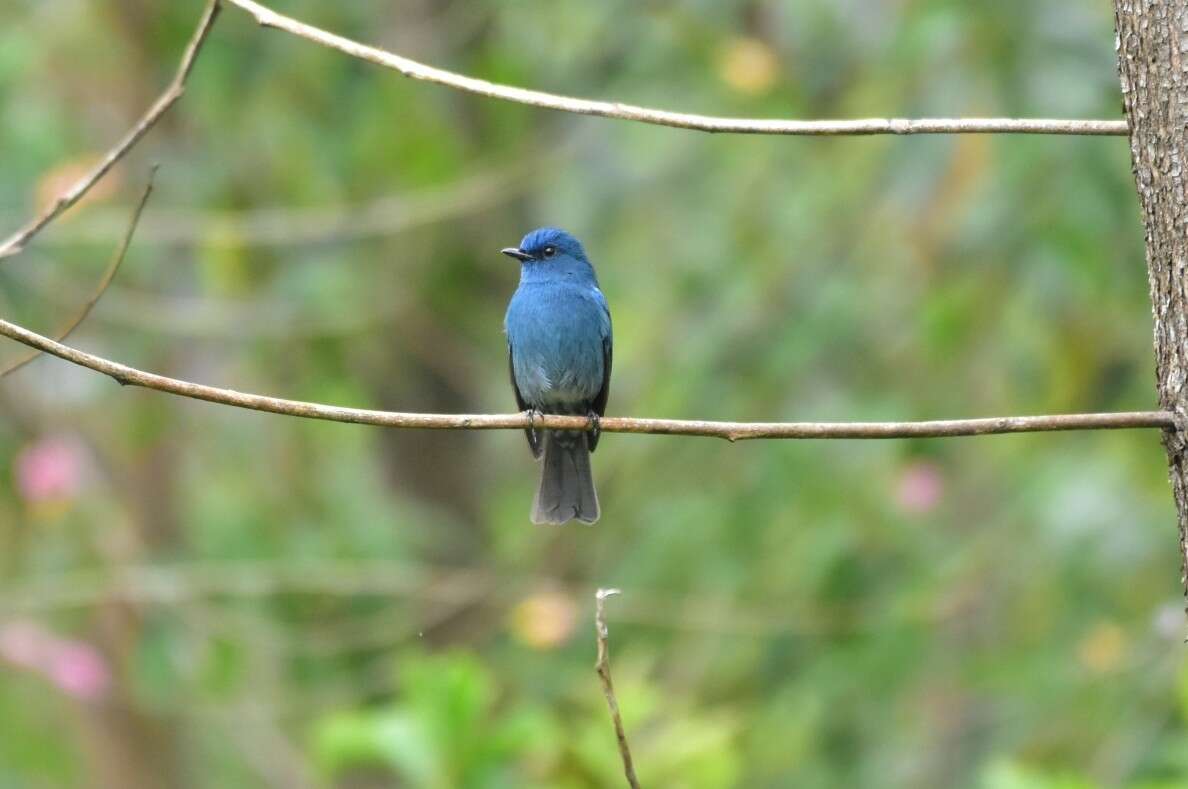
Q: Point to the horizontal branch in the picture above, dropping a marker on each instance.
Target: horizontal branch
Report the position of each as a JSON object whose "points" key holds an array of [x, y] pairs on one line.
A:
{"points": [[18, 240], [271, 226], [731, 431], [266, 17]]}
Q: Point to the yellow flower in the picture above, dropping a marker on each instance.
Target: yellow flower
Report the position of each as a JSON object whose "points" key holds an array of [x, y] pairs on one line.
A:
{"points": [[1103, 648], [748, 65], [544, 619]]}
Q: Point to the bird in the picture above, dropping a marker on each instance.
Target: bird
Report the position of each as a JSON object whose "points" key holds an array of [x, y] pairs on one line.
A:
{"points": [[559, 344]]}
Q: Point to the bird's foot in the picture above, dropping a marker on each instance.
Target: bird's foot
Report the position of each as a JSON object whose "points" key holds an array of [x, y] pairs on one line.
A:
{"points": [[595, 425], [533, 414]]}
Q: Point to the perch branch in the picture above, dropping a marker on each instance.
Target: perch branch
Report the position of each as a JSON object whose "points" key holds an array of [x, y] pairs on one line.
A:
{"points": [[21, 238], [732, 431], [105, 282], [266, 17], [602, 666]]}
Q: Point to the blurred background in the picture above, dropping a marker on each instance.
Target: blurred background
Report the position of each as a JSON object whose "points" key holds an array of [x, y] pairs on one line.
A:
{"points": [[192, 595]]}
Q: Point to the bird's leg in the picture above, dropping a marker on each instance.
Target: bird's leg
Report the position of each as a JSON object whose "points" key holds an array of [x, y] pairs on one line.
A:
{"points": [[595, 424]]}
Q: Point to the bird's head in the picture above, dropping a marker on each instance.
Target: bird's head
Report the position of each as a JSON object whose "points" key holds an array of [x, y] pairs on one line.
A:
{"points": [[550, 251]]}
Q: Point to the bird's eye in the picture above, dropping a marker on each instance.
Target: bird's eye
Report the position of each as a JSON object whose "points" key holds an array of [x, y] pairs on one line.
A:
{"points": [[549, 251]]}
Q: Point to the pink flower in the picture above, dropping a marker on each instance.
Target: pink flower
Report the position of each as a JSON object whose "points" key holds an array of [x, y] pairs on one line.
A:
{"points": [[79, 670], [50, 469], [75, 667], [919, 488]]}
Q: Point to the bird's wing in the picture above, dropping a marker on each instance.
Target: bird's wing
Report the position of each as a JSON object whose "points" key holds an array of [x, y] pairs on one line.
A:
{"points": [[599, 404], [534, 442]]}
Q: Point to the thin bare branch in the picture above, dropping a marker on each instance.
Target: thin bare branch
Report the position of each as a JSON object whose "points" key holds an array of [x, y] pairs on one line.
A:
{"points": [[21, 238], [104, 283], [291, 226], [602, 666], [731, 431], [201, 582], [266, 17]]}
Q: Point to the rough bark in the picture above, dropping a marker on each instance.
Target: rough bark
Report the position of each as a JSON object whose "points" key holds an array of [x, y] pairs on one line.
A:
{"points": [[1152, 46]]}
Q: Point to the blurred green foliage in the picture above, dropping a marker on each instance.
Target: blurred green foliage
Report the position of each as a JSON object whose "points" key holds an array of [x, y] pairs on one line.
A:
{"points": [[200, 596]]}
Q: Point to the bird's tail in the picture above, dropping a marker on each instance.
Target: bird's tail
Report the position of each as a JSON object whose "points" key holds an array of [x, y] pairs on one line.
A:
{"points": [[566, 484]]}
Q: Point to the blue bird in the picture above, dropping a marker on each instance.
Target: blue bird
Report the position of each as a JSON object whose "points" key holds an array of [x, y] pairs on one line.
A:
{"points": [[559, 353]]}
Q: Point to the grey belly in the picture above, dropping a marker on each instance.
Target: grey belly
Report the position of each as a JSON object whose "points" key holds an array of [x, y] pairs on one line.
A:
{"points": [[558, 387]]}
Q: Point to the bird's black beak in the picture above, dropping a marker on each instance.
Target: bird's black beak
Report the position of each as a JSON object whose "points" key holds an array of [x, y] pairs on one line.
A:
{"points": [[517, 253]]}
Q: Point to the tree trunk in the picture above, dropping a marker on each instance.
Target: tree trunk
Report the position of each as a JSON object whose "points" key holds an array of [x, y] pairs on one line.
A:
{"points": [[1153, 66]]}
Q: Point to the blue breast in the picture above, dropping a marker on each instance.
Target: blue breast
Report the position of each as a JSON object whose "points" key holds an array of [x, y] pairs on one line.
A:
{"points": [[556, 332]]}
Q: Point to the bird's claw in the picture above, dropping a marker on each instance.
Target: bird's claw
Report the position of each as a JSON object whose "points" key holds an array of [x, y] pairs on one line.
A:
{"points": [[595, 425], [533, 414]]}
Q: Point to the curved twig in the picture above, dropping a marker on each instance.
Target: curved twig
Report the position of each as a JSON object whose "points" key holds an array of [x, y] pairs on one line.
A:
{"points": [[104, 283], [266, 17], [20, 239], [602, 667], [732, 431]]}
